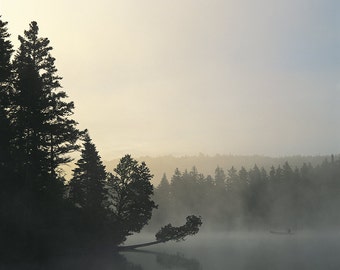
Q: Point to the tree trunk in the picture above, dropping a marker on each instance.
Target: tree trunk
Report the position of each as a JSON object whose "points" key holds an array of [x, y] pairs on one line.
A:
{"points": [[122, 248]]}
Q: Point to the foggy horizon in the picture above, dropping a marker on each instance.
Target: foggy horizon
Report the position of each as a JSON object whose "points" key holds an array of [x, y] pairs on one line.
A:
{"points": [[174, 78], [129, 124]]}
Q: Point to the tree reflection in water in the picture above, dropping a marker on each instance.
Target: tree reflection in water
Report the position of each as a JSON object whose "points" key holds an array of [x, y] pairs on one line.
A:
{"points": [[111, 261], [170, 261], [94, 261]]}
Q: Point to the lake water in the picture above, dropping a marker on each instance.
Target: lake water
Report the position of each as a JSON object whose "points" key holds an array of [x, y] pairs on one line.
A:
{"points": [[213, 251], [236, 251]]}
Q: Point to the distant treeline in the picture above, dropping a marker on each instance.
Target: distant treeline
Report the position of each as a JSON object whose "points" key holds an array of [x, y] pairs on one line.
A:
{"points": [[207, 164], [282, 197]]}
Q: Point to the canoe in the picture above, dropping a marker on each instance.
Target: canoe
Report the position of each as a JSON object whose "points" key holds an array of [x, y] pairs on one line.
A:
{"points": [[282, 232]]}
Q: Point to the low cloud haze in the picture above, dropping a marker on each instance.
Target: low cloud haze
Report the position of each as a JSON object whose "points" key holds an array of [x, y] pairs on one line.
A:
{"points": [[183, 77]]}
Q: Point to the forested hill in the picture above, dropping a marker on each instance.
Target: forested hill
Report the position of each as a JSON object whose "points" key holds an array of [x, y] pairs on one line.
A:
{"points": [[206, 164]]}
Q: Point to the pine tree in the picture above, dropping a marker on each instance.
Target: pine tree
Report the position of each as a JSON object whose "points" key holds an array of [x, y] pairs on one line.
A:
{"points": [[45, 133], [163, 189], [6, 165], [5, 91], [87, 186], [220, 178], [42, 134], [162, 198], [6, 50], [233, 183]]}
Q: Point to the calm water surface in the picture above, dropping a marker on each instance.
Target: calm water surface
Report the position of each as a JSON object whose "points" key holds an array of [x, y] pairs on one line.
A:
{"points": [[254, 251], [206, 251]]}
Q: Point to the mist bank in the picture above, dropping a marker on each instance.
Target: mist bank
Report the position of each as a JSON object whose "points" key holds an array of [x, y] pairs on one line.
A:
{"points": [[207, 164], [282, 199], [242, 250]]}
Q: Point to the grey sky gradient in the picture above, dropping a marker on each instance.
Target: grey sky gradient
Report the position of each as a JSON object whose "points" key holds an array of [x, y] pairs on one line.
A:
{"points": [[151, 77]]}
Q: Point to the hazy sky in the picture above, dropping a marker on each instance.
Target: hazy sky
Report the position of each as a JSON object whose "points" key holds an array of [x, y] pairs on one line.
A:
{"points": [[155, 77]]}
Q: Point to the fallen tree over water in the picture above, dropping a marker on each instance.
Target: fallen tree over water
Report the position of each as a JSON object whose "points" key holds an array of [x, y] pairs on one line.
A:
{"points": [[171, 233]]}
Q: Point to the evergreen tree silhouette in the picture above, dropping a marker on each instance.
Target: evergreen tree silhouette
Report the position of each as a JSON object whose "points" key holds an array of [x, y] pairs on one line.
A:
{"points": [[87, 186], [45, 131], [38, 133], [7, 179], [6, 50]]}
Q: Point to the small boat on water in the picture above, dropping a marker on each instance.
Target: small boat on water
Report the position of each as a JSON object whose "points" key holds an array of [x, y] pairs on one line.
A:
{"points": [[287, 232]]}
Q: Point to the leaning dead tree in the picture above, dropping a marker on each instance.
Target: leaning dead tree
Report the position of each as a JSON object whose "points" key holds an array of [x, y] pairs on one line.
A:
{"points": [[171, 233]]}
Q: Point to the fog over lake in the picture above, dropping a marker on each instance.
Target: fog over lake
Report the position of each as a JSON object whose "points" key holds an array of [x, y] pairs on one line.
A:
{"points": [[242, 250], [215, 121], [209, 251]]}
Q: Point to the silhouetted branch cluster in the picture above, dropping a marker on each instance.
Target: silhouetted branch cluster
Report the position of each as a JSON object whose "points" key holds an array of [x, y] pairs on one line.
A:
{"points": [[168, 232]]}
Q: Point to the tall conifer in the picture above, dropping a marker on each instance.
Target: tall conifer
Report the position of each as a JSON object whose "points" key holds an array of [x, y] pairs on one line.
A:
{"points": [[5, 91], [6, 172], [45, 131], [87, 187]]}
